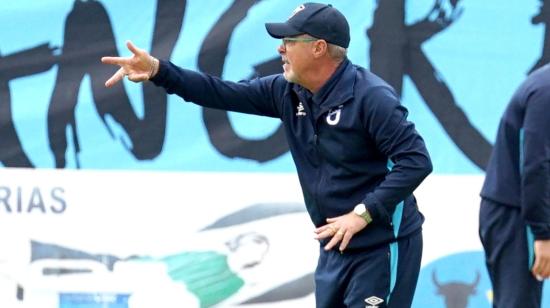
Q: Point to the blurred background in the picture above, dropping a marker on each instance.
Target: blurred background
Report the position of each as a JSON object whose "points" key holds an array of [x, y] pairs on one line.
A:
{"points": [[128, 197]]}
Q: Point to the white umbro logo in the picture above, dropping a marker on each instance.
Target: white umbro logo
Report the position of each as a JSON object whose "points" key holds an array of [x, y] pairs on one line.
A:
{"points": [[300, 110], [373, 302]]}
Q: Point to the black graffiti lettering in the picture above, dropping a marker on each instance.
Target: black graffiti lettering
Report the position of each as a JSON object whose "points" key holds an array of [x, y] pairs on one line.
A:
{"points": [[211, 60], [395, 51], [20, 64], [399, 52], [5, 194], [57, 196], [89, 36], [388, 43], [543, 17]]}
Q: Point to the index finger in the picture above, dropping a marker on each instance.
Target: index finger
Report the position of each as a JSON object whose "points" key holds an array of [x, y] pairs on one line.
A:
{"points": [[324, 233], [133, 48], [115, 60], [322, 228]]}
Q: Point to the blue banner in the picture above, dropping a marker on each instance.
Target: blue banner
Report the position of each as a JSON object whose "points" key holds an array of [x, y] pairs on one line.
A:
{"points": [[455, 64]]}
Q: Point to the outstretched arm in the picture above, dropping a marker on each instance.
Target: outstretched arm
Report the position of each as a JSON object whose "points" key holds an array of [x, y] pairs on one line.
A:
{"points": [[259, 96], [140, 67]]}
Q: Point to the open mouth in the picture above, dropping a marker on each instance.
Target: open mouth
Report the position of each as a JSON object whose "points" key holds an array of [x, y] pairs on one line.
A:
{"points": [[285, 63]]}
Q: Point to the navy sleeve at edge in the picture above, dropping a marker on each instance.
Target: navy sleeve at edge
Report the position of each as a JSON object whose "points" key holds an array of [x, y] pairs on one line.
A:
{"points": [[259, 96], [396, 138], [535, 180]]}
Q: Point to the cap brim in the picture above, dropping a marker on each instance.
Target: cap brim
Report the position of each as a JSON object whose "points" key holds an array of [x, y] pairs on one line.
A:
{"points": [[280, 30]]}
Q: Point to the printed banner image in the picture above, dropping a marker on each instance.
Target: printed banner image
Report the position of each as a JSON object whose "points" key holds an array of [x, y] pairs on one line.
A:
{"points": [[159, 239], [134, 239]]}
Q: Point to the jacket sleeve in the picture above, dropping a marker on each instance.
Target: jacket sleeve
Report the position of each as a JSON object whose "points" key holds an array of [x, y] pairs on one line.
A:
{"points": [[396, 138], [535, 164], [257, 96]]}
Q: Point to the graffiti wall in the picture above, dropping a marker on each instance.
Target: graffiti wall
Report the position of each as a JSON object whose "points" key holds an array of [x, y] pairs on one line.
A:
{"points": [[128, 197]]}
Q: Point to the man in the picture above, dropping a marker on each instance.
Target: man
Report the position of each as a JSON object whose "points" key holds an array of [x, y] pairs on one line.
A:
{"points": [[514, 217], [357, 156]]}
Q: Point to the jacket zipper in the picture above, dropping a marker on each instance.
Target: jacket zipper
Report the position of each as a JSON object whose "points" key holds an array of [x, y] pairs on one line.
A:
{"points": [[320, 174]]}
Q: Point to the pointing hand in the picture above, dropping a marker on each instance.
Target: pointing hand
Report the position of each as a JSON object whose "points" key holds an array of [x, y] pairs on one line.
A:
{"points": [[140, 67]]}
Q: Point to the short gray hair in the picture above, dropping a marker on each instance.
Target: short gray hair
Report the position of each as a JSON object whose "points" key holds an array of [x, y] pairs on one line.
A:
{"points": [[337, 53]]}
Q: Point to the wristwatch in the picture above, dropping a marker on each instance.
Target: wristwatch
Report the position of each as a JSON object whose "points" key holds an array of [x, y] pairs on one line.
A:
{"points": [[361, 210]]}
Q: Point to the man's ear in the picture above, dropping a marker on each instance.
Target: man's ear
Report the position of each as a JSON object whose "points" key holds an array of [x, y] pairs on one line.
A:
{"points": [[320, 48]]}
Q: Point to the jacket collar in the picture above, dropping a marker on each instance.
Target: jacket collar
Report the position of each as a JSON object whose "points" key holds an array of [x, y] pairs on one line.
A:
{"points": [[337, 90]]}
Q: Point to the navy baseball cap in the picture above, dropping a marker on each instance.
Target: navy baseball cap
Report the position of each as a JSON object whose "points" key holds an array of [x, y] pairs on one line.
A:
{"points": [[318, 20]]}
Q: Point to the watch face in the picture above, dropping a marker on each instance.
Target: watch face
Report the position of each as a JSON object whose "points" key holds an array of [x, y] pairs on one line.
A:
{"points": [[360, 209]]}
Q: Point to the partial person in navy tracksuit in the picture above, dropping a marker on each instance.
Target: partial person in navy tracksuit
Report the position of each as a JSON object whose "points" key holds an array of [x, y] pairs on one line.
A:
{"points": [[358, 157], [514, 217]]}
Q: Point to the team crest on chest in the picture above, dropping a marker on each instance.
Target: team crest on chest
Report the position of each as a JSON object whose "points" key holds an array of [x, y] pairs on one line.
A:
{"points": [[333, 116]]}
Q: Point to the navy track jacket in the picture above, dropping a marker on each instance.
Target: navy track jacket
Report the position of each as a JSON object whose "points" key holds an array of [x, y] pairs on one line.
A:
{"points": [[518, 173], [351, 141]]}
